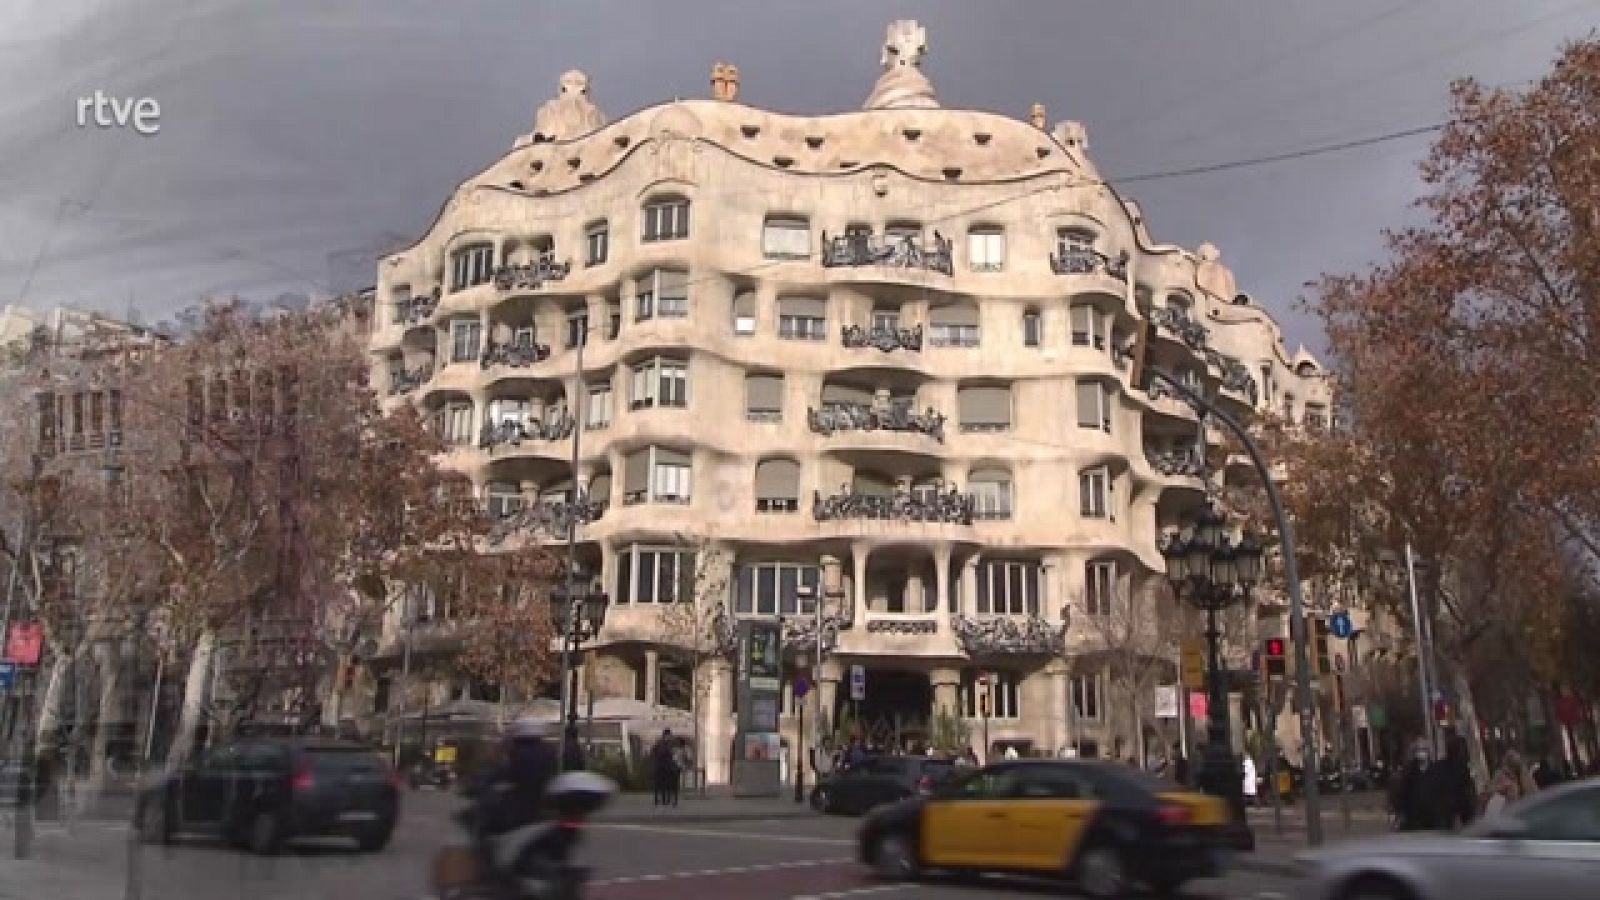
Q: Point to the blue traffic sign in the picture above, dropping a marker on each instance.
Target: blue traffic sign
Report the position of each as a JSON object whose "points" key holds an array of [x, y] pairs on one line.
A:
{"points": [[8, 675], [801, 686], [1339, 625]]}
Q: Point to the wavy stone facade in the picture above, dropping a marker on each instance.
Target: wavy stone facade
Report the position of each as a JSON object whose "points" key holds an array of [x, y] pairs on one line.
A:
{"points": [[878, 353]]}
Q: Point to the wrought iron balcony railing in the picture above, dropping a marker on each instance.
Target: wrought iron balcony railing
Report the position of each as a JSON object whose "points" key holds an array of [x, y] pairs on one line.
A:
{"points": [[1083, 261], [420, 308], [1175, 462], [835, 417], [531, 276], [404, 381], [951, 506], [996, 635], [865, 249], [516, 354], [1187, 330], [513, 432], [882, 337], [550, 517]]}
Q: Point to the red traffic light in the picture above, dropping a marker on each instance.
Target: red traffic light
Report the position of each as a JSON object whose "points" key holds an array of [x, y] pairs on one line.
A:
{"points": [[1275, 647]]}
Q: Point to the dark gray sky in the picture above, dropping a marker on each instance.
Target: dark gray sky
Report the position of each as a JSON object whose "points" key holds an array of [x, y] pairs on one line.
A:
{"points": [[293, 131]]}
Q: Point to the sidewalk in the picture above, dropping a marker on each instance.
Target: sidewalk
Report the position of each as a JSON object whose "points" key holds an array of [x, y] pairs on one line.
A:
{"points": [[717, 804], [1275, 852]]}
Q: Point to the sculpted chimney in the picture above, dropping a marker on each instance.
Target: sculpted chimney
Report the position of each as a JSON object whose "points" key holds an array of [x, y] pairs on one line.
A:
{"points": [[1038, 116], [725, 82]]}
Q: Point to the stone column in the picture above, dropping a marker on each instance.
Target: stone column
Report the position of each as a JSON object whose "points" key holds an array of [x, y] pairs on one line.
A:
{"points": [[969, 586], [1057, 728], [716, 721], [858, 559], [941, 580], [915, 594], [828, 676], [608, 573], [946, 691], [652, 678]]}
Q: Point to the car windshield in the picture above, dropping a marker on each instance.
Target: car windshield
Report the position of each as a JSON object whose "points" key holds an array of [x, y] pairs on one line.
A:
{"points": [[336, 761]]}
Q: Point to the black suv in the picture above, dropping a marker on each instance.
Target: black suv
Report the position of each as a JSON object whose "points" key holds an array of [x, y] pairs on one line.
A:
{"points": [[263, 793], [878, 780]]}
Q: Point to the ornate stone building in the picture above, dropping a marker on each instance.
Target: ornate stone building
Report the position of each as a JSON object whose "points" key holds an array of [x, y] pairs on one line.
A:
{"points": [[875, 357]]}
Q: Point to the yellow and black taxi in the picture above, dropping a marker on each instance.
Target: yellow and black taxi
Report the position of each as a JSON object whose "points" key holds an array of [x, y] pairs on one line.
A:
{"points": [[1103, 826]]}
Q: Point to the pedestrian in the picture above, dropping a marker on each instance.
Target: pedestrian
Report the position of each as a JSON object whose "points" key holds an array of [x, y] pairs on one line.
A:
{"points": [[1249, 780], [1511, 782], [1407, 800], [1449, 787], [664, 770]]}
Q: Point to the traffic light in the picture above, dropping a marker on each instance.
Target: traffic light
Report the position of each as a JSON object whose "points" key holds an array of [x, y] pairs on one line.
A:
{"points": [[1274, 652]]}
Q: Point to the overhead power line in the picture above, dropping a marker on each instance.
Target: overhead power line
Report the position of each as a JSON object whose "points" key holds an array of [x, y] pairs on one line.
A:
{"points": [[1302, 153]]}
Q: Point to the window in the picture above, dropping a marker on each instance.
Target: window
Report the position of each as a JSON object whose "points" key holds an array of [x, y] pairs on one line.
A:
{"points": [[613, 319], [744, 313], [598, 413], [763, 398], [984, 408], [1005, 695], [1009, 588], [991, 493], [660, 381], [1573, 816], [774, 589], [1032, 329], [471, 265], [1087, 699], [669, 476], [786, 238], [1052, 783], [986, 249], [885, 319], [1074, 242], [503, 411], [655, 574], [1094, 405], [503, 500], [399, 303], [1094, 493], [465, 337], [577, 328], [954, 326], [1088, 327], [1316, 417], [899, 233], [664, 293], [455, 424], [666, 219], [1180, 304], [802, 318], [777, 485], [1099, 586], [597, 241]]}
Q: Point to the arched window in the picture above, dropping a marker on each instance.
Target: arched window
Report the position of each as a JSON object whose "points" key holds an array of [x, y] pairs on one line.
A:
{"points": [[471, 265], [777, 485], [666, 219]]}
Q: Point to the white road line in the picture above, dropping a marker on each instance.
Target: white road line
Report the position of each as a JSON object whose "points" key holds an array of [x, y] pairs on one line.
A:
{"points": [[854, 892], [712, 873], [706, 832]]}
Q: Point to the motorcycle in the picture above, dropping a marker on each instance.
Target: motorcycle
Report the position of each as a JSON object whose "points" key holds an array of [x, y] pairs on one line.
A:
{"points": [[486, 868]]}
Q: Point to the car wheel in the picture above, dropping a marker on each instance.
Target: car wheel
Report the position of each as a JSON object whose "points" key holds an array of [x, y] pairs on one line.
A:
{"points": [[820, 801], [1375, 887], [155, 826], [1101, 872], [266, 833], [895, 859]]}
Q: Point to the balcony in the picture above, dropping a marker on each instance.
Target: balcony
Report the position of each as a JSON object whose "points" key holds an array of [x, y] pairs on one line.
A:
{"points": [[404, 381], [899, 624], [884, 338], [1086, 261], [518, 354], [951, 507], [532, 276], [863, 249], [1192, 333], [994, 635], [513, 432], [1234, 374], [553, 518], [420, 308], [1175, 462], [864, 417]]}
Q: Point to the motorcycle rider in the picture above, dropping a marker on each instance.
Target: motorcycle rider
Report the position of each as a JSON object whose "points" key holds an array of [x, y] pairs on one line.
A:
{"points": [[509, 808]]}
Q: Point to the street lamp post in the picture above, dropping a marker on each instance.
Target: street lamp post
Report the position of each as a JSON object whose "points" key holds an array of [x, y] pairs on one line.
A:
{"points": [[580, 615], [1213, 573]]}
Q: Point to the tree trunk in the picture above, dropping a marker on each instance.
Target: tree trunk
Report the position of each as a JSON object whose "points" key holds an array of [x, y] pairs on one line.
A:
{"points": [[109, 671], [49, 712], [195, 689], [1469, 724]]}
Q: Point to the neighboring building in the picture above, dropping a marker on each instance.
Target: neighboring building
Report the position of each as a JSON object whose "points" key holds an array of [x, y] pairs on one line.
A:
{"points": [[878, 354]]}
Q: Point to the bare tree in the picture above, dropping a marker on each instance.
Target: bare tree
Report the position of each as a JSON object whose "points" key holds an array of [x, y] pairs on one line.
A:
{"points": [[1134, 638], [699, 627]]}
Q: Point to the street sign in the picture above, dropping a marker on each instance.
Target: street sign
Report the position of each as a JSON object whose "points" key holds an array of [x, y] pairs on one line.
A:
{"points": [[1339, 625], [858, 682], [1197, 707], [1192, 663], [1166, 701], [8, 675], [801, 685]]}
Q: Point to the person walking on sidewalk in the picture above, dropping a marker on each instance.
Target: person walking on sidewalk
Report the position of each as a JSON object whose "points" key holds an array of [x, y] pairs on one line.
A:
{"points": [[1408, 799], [1249, 780], [664, 771]]}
